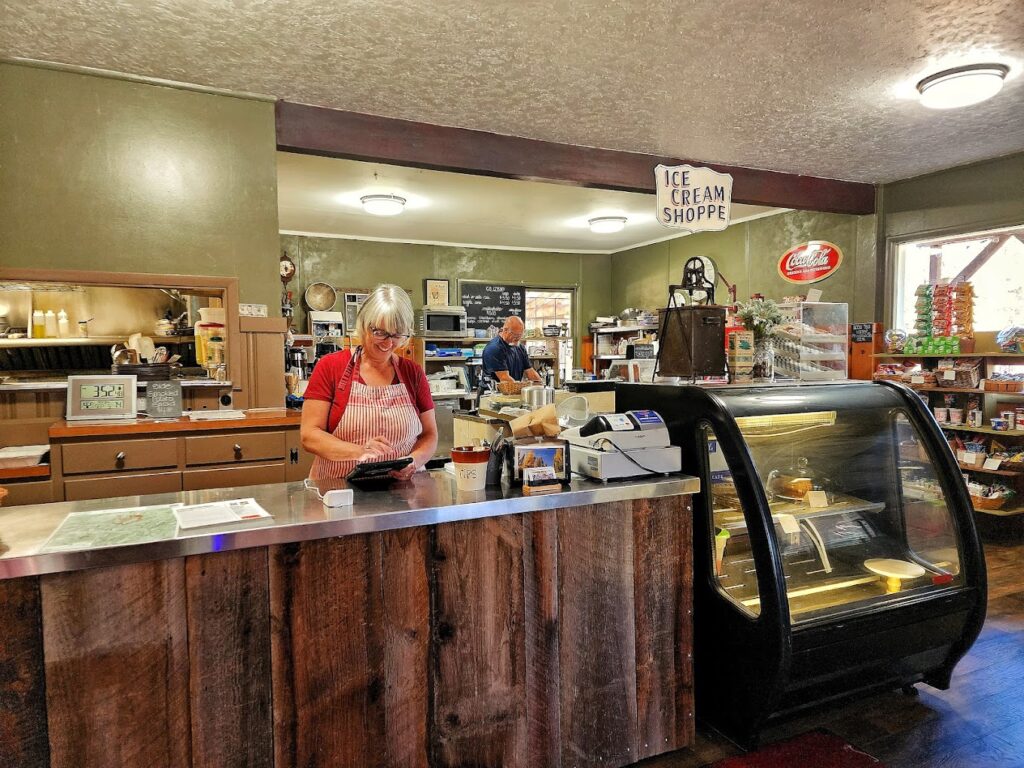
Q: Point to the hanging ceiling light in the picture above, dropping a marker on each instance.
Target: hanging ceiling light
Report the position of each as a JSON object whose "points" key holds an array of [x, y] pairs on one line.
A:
{"points": [[604, 225], [962, 86], [383, 205]]}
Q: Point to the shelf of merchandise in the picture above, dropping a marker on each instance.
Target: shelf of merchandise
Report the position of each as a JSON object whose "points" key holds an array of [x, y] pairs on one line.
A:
{"points": [[625, 329], [983, 430], [597, 359], [1001, 472], [984, 343]]}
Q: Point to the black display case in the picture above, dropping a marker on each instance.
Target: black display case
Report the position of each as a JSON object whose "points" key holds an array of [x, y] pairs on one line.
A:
{"points": [[835, 546]]}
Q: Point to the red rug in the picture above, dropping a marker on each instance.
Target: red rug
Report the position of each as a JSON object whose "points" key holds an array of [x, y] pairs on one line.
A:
{"points": [[815, 749]]}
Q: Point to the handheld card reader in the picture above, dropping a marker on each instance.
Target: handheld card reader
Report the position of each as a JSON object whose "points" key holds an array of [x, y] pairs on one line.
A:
{"points": [[618, 445]]}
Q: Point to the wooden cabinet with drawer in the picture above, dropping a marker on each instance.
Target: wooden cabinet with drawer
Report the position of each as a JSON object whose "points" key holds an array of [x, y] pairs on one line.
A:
{"points": [[235, 448], [135, 484], [120, 455], [228, 477], [99, 461]]}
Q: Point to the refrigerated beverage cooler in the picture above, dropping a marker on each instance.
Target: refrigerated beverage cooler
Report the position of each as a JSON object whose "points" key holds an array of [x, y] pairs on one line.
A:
{"points": [[835, 546]]}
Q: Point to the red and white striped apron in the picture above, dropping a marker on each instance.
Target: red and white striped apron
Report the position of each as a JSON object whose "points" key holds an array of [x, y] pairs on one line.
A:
{"points": [[386, 412]]}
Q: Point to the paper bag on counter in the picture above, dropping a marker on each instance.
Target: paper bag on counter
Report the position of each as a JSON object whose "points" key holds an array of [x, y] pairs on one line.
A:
{"points": [[541, 422]]}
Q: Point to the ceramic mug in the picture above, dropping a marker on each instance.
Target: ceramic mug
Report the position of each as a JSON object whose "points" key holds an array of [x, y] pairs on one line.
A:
{"points": [[941, 414]]}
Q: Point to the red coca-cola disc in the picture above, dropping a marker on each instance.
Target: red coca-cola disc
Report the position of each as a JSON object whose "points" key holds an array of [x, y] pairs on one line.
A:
{"points": [[810, 262]]}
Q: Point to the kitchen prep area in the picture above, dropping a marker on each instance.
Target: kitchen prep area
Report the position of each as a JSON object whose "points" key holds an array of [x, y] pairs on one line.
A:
{"points": [[329, 438]]}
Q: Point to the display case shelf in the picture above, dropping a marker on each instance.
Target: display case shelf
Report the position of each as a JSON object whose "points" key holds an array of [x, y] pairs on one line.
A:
{"points": [[809, 345]]}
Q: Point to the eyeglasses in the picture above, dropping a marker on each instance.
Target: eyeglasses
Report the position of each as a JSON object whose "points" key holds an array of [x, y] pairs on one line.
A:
{"points": [[380, 334]]}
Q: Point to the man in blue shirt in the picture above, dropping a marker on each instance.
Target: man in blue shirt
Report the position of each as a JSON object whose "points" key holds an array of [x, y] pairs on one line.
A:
{"points": [[504, 359]]}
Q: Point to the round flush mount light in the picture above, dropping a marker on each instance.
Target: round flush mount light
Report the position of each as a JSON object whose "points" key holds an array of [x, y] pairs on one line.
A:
{"points": [[383, 205], [604, 225], [962, 86]]}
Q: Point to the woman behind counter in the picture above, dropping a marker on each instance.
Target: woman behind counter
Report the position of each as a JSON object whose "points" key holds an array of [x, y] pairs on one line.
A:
{"points": [[369, 404]]}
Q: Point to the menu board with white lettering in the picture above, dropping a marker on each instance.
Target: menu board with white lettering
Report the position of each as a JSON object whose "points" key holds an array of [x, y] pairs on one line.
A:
{"points": [[489, 304]]}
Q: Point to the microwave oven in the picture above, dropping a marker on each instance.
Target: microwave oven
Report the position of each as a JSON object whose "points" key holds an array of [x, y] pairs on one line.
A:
{"points": [[446, 322]]}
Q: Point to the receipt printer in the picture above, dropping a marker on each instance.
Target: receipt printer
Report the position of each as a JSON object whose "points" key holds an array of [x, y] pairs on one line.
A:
{"points": [[618, 445]]}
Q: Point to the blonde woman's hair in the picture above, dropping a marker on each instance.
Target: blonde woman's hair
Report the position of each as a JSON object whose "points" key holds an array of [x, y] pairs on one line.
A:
{"points": [[388, 308]]}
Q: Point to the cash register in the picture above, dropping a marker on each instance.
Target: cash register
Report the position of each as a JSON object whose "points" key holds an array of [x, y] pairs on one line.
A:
{"points": [[612, 446]]}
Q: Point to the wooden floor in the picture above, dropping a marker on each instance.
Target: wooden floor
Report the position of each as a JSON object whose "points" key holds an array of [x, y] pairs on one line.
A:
{"points": [[977, 723]]}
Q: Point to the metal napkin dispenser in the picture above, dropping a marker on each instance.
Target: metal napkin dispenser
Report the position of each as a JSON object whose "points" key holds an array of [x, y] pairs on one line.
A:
{"points": [[529, 452]]}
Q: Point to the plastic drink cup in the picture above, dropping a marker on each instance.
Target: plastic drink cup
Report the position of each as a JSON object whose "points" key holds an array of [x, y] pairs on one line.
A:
{"points": [[470, 467]]}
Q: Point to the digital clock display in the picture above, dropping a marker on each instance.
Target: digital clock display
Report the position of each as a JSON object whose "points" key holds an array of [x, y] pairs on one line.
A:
{"points": [[96, 391], [103, 405]]}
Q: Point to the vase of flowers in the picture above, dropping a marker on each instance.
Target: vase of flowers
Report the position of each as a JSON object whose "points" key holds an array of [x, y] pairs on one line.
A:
{"points": [[763, 317]]}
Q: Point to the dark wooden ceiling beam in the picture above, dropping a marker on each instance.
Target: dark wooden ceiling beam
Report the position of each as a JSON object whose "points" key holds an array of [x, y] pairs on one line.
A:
{"points": [[335, 133]]}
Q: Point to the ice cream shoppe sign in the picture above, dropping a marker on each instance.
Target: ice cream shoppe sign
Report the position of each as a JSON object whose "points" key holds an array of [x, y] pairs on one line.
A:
{"points": [[810, 262], [694, 199]]}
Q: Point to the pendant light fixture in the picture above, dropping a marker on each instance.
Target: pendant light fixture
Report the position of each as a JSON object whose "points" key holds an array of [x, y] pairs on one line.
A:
{"points": [[605, 225], [383, 205], [962, 86]]}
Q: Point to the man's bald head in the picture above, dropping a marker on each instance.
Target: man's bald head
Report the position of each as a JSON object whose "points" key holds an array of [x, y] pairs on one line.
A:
{"points": [[512, 331]]}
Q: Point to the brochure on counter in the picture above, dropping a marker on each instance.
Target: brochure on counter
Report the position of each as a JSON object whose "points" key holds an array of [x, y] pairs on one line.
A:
{"points": [[139, 525], [218, 513]]}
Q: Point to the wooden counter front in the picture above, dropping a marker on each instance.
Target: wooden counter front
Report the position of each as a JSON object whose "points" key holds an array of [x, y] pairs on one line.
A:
{"points": [[552, 638]]}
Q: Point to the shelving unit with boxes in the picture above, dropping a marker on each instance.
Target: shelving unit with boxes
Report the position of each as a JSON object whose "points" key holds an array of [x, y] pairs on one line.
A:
{"points": [[951, 384], [609, 343]]}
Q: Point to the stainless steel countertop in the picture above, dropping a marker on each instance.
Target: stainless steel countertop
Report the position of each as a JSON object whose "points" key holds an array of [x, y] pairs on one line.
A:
{"points": [[298, 515]]}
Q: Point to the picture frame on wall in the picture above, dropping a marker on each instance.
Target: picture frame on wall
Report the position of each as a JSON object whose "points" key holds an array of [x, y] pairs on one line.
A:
{"points": [[436, 292]]}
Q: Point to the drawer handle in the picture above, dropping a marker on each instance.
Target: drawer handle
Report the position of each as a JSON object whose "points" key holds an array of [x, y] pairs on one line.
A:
{"points": [[238, 448], [119, 456]]}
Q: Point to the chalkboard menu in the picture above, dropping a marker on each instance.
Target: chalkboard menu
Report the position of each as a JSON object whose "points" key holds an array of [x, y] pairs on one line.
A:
{"points": [[163, 399], [490, 303], [861, 332]]}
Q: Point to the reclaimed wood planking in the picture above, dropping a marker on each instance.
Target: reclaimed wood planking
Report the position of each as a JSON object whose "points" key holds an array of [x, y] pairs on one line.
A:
{"points": [[23, 740], [116, 650], [325, 618], [229, 661], [662, 579], [478, 713], [405, 592], [540, 565], [597, 662]]}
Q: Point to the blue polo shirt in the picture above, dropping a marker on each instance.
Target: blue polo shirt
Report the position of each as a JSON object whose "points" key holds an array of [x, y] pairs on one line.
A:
{"points": [[499, 355]]}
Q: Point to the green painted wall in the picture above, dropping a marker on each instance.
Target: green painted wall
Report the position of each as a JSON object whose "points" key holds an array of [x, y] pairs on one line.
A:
{"points": [[364, 264], [104, 174], [748, 254], [969, 198], [978, 196]]}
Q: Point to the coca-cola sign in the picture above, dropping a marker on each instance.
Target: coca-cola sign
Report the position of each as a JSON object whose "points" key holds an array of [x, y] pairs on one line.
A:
{"points": [[810, 262]]}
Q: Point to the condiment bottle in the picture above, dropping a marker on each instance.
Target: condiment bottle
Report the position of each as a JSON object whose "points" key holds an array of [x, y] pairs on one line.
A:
{"points": [[63, 329], [215, 352], [51, 324], [38, 324]]}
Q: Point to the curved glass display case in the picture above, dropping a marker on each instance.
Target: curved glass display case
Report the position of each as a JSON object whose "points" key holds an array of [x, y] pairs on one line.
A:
{"points": [[835, 544]]}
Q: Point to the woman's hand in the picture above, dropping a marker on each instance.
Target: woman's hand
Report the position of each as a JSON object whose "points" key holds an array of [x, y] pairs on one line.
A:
{"points": [[374, 449], [406, 472]]}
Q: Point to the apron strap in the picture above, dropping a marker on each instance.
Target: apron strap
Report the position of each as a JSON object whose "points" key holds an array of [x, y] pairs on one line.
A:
{"points": [[344, 382]]}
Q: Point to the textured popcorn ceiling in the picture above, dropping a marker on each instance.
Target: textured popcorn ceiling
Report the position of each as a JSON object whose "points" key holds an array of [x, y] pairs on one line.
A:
{"points": [[807, 86]]}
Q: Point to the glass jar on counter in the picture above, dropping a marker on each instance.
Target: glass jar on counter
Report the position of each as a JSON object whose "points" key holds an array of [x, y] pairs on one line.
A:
{"points": [[215, 352]]}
